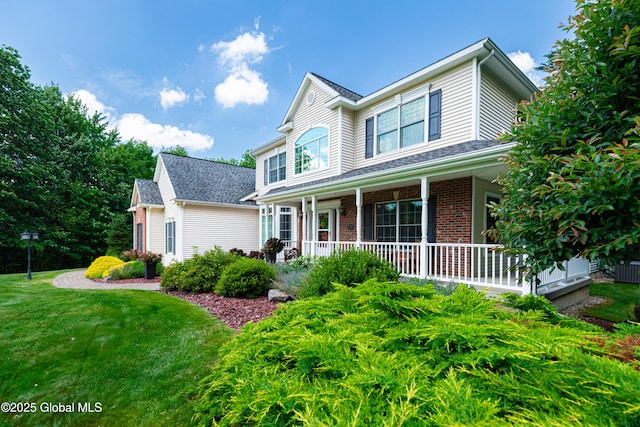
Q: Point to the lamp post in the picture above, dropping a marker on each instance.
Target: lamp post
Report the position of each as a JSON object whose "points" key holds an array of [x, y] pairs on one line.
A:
{"points": [[29, 236]]}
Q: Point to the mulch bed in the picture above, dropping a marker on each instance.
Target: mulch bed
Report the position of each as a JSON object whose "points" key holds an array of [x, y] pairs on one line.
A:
{"points": [[235, 312]]}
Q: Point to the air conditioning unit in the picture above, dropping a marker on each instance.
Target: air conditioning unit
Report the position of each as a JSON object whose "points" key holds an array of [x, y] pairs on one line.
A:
{"points": [[628, 272]]}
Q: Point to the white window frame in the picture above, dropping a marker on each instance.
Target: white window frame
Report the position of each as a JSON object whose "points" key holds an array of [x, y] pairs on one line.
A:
{"points": [[170, 236], [280, 167], [396, 103], [295, 150]]}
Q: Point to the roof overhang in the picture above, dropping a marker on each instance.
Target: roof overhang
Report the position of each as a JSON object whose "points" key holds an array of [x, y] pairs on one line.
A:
{"points": [[183, 202], [497, 62], [476, 159], [269, 145]]}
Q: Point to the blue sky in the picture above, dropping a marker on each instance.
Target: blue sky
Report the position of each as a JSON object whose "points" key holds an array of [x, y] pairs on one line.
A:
{"points": [[217, 77]]}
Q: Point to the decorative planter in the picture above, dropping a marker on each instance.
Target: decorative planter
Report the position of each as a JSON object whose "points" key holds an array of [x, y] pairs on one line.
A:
{"points": [[149, 270], [271, 257]]}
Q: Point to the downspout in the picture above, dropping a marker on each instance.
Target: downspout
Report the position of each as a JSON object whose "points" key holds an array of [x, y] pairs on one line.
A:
{"points": [[477, 92], [340, 140]]}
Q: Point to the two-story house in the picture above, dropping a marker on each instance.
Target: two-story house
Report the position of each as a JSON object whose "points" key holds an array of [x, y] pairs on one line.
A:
{"points": [[406, 171]]}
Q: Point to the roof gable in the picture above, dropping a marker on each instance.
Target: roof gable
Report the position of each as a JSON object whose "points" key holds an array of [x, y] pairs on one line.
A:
{"points": [[148, 192], [207, 181]]}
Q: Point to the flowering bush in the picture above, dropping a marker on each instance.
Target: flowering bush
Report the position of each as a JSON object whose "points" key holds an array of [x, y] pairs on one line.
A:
{"points": [[102, 265], [150, 257], [130, 255], [273, 246]]}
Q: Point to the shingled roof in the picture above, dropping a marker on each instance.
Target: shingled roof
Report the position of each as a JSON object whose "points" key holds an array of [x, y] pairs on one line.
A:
{"points": [[421, 158], [349, 94], [148, 192], [208, 181]]}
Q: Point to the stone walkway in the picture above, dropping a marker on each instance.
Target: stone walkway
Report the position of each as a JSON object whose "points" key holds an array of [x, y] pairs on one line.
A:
{"points": [[76, 280]]}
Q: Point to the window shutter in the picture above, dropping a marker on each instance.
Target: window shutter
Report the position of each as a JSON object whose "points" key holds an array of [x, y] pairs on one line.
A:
{"points": [[435, 101], [266, 172], [368, 143], [368, 221]]}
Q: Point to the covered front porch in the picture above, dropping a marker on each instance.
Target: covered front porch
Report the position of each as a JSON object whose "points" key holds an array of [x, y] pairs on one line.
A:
{"points": [[427, 221]]}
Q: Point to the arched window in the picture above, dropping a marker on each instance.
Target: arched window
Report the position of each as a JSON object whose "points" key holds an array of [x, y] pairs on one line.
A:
{"points": [[312, 150]]}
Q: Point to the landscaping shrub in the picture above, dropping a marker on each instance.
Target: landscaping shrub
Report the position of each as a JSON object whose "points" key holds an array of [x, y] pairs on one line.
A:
{"points": [[398, 354], [198, 274], [245, 278], [130, 255], [131, 270], [346, 268], [101, 266]]}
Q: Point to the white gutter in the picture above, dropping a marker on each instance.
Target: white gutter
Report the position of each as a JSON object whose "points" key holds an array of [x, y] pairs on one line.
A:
{"points": [[477, 91], [215, 204]]}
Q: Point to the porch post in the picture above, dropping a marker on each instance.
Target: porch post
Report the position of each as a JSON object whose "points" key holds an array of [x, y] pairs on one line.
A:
{"points": [[358, 217], [304, 225], [314, 224], [424, 194]]}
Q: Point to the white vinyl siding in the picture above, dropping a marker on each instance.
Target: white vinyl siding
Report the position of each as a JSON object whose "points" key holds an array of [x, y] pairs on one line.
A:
{"points": [[156, 232], [348, 127], [456, 116], [208, 226], [497, 107], [307, 117], [260, 167]]}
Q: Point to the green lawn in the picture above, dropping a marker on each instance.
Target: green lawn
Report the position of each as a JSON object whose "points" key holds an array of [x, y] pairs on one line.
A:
{"points": [[137, 356], [622, 297]]}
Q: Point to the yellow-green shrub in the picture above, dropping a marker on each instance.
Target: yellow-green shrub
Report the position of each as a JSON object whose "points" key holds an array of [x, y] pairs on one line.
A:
{"points": [[101, 266]]}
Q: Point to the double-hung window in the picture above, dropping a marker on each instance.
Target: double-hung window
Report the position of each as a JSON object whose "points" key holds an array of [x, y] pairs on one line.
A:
{"points": [[312, 150], [399, 221], [404, 125], [401, 126], [275, 168], [170, 237]]}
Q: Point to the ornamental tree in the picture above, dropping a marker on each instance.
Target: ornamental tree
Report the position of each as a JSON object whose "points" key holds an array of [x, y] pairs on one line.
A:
{"points": [[573, 180]]}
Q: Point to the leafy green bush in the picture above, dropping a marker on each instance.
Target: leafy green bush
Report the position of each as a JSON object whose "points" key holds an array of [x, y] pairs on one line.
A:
{"points": [[131, 270], [100, 266], [198, 274], [397, 354], [245, 278], [346, 268]]}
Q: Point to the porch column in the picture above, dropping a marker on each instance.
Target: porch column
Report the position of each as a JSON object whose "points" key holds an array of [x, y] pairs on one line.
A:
{"points": [[304, 225], [314, 224], [424, 194], [358, 217]]}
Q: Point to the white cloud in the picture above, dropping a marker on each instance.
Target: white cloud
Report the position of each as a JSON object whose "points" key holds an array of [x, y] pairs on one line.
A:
{"points": [[137, 126], [199, 95], [243, 84], [248, 48], [527, 65], [172, 97], [93, 105]]}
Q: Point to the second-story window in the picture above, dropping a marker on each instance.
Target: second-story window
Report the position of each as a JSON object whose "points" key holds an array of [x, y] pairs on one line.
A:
{"points": [[312, 150], [275, 168], [403, 126]]}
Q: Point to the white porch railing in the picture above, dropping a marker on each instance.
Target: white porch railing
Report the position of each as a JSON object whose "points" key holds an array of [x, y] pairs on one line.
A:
{"points": [[472, 264]]}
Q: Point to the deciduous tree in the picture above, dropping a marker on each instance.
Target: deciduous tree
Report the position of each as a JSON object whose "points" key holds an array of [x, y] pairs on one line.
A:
{"points": [[572, 187]]}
